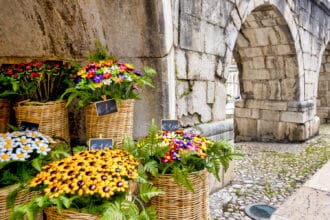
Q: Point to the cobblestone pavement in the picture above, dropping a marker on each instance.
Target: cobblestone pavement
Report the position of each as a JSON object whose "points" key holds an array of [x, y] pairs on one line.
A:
{"points": [[269, 173]]}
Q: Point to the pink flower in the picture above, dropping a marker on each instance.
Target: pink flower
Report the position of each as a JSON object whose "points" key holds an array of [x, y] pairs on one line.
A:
{"points": [[35, 74], [28, 68]]}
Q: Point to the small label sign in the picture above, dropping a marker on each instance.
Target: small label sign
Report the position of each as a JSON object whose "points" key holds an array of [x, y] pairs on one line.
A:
{"points": [[170, 125], [25, 125], [106, 107], [100, 143]]}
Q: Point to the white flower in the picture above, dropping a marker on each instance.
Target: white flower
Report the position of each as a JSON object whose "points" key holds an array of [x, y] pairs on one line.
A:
{"points": [[43, 149], [5, 156], [107, 81], [27, 148], [20, 155]]}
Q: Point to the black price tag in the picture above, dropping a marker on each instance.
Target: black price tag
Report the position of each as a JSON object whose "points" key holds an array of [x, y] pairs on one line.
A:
{"points": [[170, 125], [25, 125], [100, 143], [106, 107]]}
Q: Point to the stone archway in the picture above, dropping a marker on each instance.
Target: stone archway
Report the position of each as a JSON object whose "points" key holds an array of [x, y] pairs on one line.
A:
{"points": [[323, 92], [269, 80]]}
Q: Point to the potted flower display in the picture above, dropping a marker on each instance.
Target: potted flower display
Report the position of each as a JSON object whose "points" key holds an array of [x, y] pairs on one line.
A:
{"points": [[91, 184], [36, 88], [107, 78], [179, 163], [22, 154], [5, 104]]}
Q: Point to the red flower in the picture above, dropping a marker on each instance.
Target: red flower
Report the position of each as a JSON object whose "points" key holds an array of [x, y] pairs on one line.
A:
{"points": [[35, 74], [20, 70], [55, 71], [90, 75], [107, 75], [28, 68], [10, 72], [39, 65], [15, 76]]}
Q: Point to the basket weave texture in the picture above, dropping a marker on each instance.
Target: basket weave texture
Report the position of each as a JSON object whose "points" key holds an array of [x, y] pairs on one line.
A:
{"points": [[51, 116], [22, 198], [68, 214], [180, 203], [4, 115], [115, 125]]}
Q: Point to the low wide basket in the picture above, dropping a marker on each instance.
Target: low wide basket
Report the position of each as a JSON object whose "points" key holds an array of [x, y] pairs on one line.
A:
{"points": [[4, 115], [52, 117], [180, 203], [115, 125], [22, 198], [68, 214]]}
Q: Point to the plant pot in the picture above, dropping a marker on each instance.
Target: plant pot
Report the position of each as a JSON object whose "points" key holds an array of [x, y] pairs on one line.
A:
{"points": [[68, 214], [180, 203], [115, 125], [52, 117], [22, 198], [4, 115]]}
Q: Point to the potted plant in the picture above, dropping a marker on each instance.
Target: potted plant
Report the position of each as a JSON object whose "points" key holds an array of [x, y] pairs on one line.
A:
{"points": [[36, 88], [22, 154], [179, 163], [106, 78], [90, 185]]}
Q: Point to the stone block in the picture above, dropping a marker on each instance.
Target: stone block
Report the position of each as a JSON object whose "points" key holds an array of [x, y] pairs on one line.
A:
{"points": [[236, 18], [252, 52], [240, 103], [219, 105], [295, 132], [270, 115], [182, 91], [266, 104], [309, 91], [190, 35], [245, 127], [211, 11], [285, 49], [289, 89], [201, 66], [261, 36], [197, 101], [265, 128], [261, 90], [275, 89], [291, 67], [314, 126], [261, 74], [246, 113], [216, 127], [189, 120], [180, 64], [193, 8], [279, 130], [270, 62], [214, 39], [231, 33], [258, 62], [220, 69], [242, 41], [210, 92], [296, 117]]}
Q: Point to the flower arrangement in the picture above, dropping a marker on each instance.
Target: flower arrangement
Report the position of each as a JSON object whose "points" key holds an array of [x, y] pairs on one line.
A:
{"points": [[22, 154], [94, 182], [37, 80], [180, 153], [108, 79]]}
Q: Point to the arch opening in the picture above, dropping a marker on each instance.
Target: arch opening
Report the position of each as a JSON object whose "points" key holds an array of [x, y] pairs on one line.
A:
{"points": [[268, 75]]}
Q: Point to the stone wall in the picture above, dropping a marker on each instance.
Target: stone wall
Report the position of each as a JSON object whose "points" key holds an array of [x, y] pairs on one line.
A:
{"points": [[277, 46], [133, 30], [323, 94]]}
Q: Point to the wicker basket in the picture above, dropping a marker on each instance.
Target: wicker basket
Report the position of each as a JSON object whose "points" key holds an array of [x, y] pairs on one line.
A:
{"points": [[180, 203], [52, 117], [22, 198], [52, 214], [4, 115], [115, 125]]}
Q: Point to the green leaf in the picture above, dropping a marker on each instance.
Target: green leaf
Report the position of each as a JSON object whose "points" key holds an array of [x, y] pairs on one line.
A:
{"points": [[152, 167], [150, 213], [113, 211], [147, 191], [181, 176], [37, 163]]}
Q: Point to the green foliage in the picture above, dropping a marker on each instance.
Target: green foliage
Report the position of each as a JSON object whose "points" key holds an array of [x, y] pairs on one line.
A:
{"points": [[115, 208], [100, 53], [150, 151]]}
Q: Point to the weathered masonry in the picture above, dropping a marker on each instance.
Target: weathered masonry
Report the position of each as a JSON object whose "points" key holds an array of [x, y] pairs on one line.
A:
{"points": [[281, 47]]}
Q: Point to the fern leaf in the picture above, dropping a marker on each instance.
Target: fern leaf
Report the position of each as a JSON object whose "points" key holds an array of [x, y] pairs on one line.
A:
{"points": [[113, 211], [152, 167], [181, 176], [147, 191], [150, 213]]}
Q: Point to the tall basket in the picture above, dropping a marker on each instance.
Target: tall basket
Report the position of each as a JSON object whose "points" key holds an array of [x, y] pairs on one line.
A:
{"points": [[115, 125], [52, 117], [4, 115], [180, 203], [21, 198], [52, 214]]}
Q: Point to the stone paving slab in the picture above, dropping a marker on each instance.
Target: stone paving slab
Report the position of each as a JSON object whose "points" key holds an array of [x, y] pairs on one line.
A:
{"points": [[321, 180], [311, 202]]}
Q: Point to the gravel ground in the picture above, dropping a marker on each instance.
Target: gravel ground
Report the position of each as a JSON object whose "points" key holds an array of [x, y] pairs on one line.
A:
{"points": [[269, 173]]}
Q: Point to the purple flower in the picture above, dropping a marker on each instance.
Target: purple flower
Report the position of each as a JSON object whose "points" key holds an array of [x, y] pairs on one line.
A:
{"points": [[136, 72], [97, 78]]}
